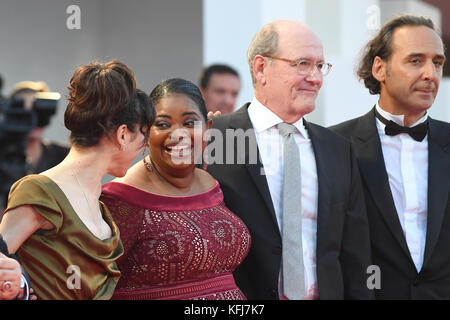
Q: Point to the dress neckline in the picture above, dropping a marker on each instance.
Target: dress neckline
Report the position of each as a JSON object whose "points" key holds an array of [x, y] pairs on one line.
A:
{"points": [[105, 213], [146, 199]]}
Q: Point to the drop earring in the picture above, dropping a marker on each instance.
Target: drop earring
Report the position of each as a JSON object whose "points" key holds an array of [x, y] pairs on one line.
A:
{"points": [[205, 159], [147, 165]]}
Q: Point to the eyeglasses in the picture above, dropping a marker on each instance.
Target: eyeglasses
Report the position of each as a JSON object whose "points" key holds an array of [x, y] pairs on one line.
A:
{"points": [[306, 67]]}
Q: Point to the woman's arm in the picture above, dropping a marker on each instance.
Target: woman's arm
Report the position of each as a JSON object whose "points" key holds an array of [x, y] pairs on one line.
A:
{"points": [[19, 224]]}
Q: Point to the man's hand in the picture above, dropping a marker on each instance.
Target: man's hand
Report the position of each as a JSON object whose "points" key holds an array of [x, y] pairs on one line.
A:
{"points": [[214, 114], [10, 273], [32, 295]]}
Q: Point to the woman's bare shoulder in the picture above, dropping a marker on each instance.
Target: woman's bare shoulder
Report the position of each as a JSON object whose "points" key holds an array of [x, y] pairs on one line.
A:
{"points": [[206, 180], [135, 176]]}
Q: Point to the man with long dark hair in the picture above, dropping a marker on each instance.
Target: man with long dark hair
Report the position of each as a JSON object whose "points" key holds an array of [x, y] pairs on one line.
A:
{"points": [[404, 160]]}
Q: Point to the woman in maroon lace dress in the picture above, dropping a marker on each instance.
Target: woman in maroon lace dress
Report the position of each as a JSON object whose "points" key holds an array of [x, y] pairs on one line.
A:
{"points": [[180, 240]]}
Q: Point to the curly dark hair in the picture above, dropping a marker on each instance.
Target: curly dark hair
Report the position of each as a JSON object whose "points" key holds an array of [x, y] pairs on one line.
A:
{"points": [[381, 46]]}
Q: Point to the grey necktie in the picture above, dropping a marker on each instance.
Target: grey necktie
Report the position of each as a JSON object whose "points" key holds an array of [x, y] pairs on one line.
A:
{"points": [[293, 270]]}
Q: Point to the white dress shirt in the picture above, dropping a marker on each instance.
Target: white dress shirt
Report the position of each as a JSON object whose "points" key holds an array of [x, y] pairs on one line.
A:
{"points": [[270, 145], [406, 162]]}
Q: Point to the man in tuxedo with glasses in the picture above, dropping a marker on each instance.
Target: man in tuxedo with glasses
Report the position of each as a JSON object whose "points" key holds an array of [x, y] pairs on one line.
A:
{"points": [[404, 160]]}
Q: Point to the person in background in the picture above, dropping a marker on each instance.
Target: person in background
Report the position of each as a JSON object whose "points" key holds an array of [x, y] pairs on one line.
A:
{"points": [[2, 98], [220, 85], [41, 154], [180, 240], [65, 239]]}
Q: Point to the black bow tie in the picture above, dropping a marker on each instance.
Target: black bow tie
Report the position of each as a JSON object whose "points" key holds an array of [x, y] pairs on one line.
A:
{"points": [[418, 132]]}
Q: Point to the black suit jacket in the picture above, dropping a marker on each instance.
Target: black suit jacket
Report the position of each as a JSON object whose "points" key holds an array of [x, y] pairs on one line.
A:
{"points": [[399, 278], [343, 249]]}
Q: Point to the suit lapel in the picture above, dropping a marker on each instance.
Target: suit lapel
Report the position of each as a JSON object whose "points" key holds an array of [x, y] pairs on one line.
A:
{"points": [[324, 170], [438, 183], [241, 120], [367, 146]]}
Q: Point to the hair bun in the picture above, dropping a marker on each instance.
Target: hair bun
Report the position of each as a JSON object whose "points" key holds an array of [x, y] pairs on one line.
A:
{"points": [[97, 92]]}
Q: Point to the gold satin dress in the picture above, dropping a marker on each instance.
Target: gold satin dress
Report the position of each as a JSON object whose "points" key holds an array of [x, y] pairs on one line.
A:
{"points": [[67, 262]]}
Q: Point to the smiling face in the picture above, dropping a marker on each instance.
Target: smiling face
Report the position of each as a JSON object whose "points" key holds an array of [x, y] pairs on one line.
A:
{"points": [[410, 79], [281, 88], [176, 137]]}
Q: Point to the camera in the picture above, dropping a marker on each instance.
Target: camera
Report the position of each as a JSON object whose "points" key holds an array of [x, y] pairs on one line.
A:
{"points": [[16, 123]]}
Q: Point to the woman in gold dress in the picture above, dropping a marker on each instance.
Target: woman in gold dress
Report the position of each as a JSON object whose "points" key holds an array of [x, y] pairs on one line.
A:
{"points": [[64, 237]]}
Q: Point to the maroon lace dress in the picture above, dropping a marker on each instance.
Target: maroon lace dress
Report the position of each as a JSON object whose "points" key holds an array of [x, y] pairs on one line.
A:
{"points": [[176, 247]]}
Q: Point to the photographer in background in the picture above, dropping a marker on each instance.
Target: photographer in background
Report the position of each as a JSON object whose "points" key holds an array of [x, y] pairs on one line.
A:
{"points": [[41, 154], [23, 118], [1, 87]]}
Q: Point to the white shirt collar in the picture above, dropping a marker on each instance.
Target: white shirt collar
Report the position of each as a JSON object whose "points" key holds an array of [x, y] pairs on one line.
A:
{"points": [[263, 118], [399, 119]]}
